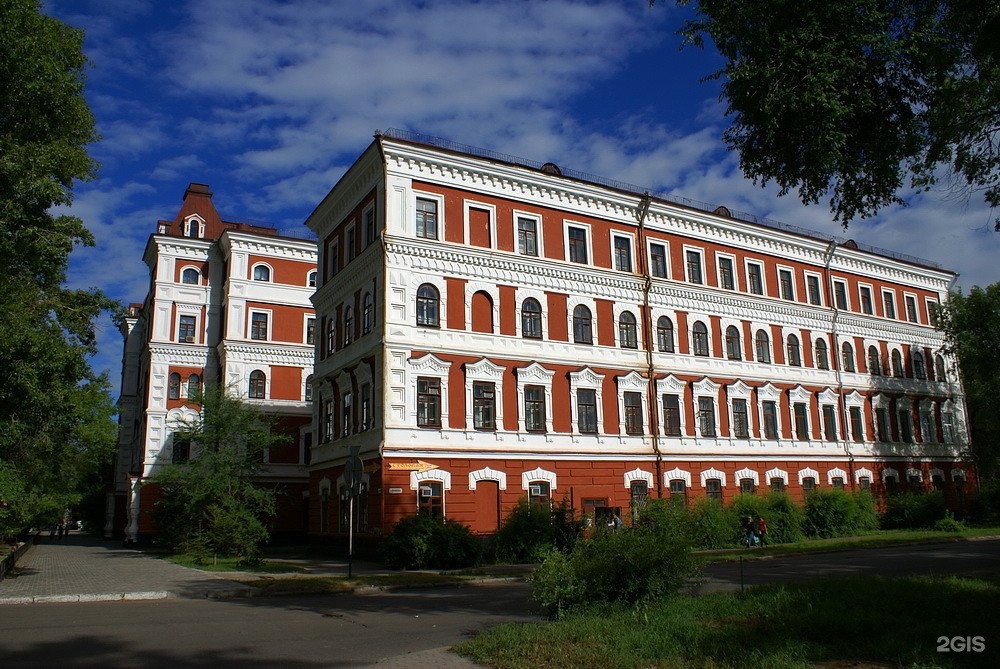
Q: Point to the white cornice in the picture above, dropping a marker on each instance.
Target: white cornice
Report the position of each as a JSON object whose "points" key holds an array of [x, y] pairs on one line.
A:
{"points": [[360, 179]]}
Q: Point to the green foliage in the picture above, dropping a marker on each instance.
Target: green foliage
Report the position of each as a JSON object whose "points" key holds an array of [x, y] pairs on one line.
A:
{"points": [[971, 324], [914, 510], [851, 98], [984, 505], [14, 507], [838, 513], [715, 526], [423, 541], [530, 531], [56, 415], [784, 519], [213, 505], [949, 524]]}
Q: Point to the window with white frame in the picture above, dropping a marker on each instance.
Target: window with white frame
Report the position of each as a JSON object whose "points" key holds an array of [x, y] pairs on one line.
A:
{"points": [[786, 283], [527, 235], [794, 351], [928, 429], [658, 260], [813, 291], [622, 249], [427, 217], [755, 277], [633, 412], [257, 389], [699, 339], [867, 305], [800, 412], [428, 305], [174, 386], [847, 353], [889, 303], [533, 386], [874, 361], [332, 258], [368, 219], [665, 334], [367, 314], [583, 327], [586, 385], [671, 415], [261, 272], [706, 416], [311, 278], [840, 294], [693, 262], [428, 402], [484, 405], [734, 349], [534, 408], [857, 423], [727, 273], [310, 330], [627, 330], [763, 346], [822, 359], [911, 307], [348, 324], [193, 228], [919, 367], [830, 422], [904, 419], [187, 329], [882, 425], [350, 244], [346, 412], [531, 319], [190, 275], [741, 418], [259, 322], [769, 410], [897, 363], [577, 244]]}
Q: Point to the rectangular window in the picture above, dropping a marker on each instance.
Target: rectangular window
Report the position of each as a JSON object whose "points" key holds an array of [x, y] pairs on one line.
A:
{"points": [[808, 485], [586, 407], [258, 326], [786, 284], [484, 405], [328, 420], [777, 484], [911, 308], [672, 415], [889, 304], [726, 279], [527, 236], [658, 260], [427, 218], [623, 254], [866, 300], [830, 422], [347, 403], [369, 226], [706, 416], [366, 406], [770, 411], [332, 259], [741, 423], [350, 244], [840, 294], [746, 486], [633, 412], [882, 424], [534, 408], [947, 426], [812, 286], [428, 402], [713, 489], [905, 425], [755, 272], [932, 311], [577, 244], [857, 425], [186, 329], [927, 432], [310, 330], [693, 266], [801, 422], [678, 491]]}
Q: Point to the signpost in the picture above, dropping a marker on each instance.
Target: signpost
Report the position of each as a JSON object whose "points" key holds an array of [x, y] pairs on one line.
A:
{"points": [[353, 475]]}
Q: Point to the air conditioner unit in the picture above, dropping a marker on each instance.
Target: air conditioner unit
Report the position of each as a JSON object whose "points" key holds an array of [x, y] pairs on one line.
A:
{"points": [[426, 492], [188, 340], [535, 490]]}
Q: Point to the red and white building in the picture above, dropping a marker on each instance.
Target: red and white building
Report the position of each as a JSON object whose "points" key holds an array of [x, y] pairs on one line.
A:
{"points": [[492, 329], [228, 303]]}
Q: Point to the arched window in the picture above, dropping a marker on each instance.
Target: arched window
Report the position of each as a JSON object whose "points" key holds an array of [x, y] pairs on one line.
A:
{"points": [[190, 275], [874, 362], [261, 273], [919, 370], [939, 371], [428, 302], [733, 343], [763, 347], [897, 363], [583, 326], [627, 336], [665, 335], [311, 279], [367, 314], [794, 352], [348, 324], [531, 319], [174, 386], [193, 228], [699, 338], [822, 360], [848, 355], [194, 385], [258, 383]]}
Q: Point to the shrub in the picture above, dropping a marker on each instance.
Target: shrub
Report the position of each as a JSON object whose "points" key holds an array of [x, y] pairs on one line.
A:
{"points": [[554, 585], [784, 518], [831, 513], [715, 526], [914, 510], [949, 524], [866, 519], [423, 540], [532, 530], [984, 505]]}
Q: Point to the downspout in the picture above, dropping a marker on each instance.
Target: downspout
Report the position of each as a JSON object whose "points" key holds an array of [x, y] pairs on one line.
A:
{"points": [[835, 354], [384, 324], [647, 325]]}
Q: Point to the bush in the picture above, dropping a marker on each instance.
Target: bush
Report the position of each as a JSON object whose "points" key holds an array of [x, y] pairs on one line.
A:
{"points": [[423, 541], [784, 519], [984, 505], [914, 510], [715, 526], [532, 530], [832, 513], [949, 524]]}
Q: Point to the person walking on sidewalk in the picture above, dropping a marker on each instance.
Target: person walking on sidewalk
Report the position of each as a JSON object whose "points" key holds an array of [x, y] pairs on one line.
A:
{"points": [[762, 531]]}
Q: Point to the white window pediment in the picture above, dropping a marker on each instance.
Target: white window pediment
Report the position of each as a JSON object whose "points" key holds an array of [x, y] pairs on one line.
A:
{"points": [[713, 473], [747, 473], [441, 475], [937, 472], [484, 370], [828, 396], [638, 474], [706, 387], [889, 472], [769, 392], [911, 472], [430, 364], [854, 399], [586, 378], [631, 381], [538, 474], [487, 474], [957, 474], [904, 403], [677, 473], [324, 486], [738, 390], [835, 473], [863, 472], [670, 385], [184, 417], [776, 474], [808, 472], [880, 400], [799, 394], [534, 373]]}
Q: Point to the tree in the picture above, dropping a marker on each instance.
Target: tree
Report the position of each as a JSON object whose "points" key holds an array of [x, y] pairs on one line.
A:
{"points": [[852, 97], [971, 324], [212, 504], [56, 417]]}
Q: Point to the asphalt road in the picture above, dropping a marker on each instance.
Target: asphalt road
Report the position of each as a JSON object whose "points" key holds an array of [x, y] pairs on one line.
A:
{"points": [[388, 629]]}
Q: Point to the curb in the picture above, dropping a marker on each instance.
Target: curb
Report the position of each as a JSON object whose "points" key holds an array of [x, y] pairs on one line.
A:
{"points": [[148, 595]]}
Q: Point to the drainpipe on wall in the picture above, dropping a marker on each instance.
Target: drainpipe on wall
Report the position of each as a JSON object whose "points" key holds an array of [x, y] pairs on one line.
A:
{"points": [[831, 250], [384, 325], [647, 324]]}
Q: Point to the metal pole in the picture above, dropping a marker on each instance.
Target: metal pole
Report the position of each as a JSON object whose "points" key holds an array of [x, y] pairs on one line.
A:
{"points": [[350, 537]]}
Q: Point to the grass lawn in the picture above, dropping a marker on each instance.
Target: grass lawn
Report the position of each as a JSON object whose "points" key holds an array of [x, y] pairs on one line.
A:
{"points": [[231, 564], [857, 622], [325, 585]]}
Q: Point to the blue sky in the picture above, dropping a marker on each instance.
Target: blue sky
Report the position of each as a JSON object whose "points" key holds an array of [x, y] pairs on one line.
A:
{"points": [[270, 101]]}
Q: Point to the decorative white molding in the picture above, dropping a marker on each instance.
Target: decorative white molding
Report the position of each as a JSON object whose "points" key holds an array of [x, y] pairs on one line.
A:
{"points": [[538, 474], [487, 474], [678, 473], [638, 474], [713, 473]]}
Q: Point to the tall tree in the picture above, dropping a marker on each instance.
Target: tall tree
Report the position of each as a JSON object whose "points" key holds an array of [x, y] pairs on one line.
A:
{"points": [[972, 325], [856, 99], [55, 414]]}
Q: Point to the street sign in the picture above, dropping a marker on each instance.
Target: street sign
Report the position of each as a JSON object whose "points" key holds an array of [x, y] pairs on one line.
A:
{"points": [[353, 473], [418, 466]]}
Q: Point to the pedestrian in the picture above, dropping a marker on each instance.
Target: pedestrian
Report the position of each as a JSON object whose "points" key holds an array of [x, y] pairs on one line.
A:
{"points": [[616, 522], [750, 536], [762, 531]]}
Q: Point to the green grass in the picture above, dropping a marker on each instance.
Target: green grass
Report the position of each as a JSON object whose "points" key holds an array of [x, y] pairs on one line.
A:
{"points": [[870, 540], [325, 585], [231, 564], [868, 621]]}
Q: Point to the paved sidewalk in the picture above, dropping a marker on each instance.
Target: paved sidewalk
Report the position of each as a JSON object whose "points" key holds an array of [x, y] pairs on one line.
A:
{"points": [[81, 568]]}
